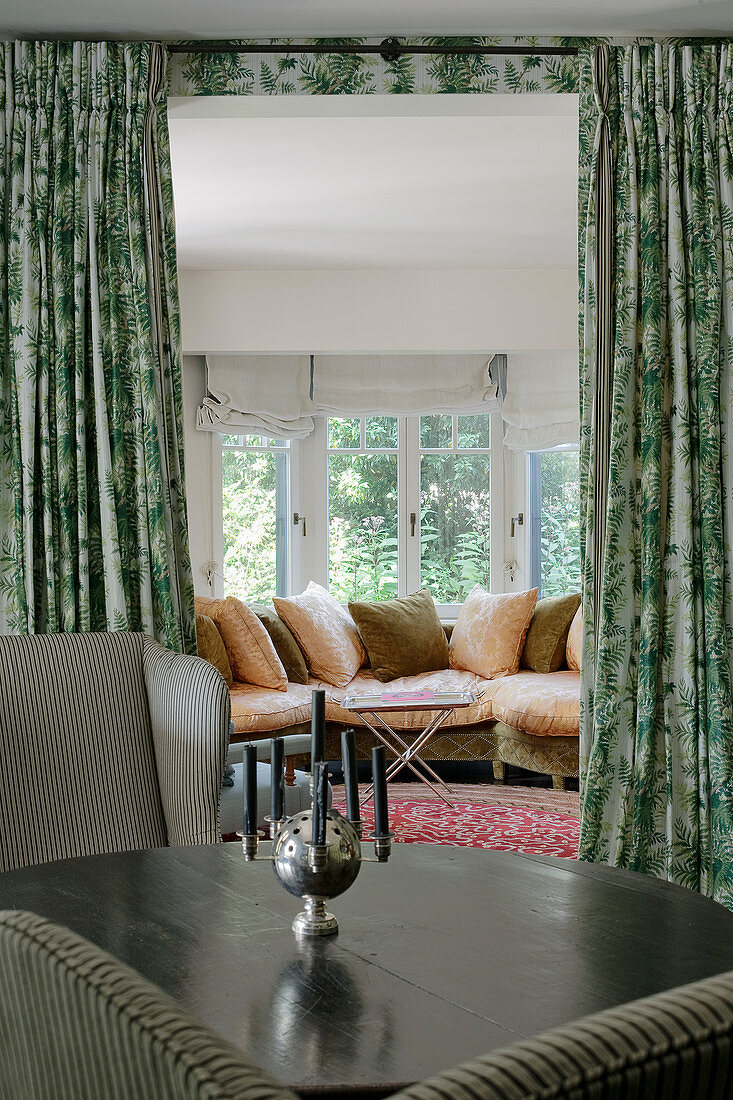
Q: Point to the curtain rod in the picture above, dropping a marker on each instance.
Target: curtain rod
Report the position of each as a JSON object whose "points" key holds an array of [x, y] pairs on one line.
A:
{"points": [[390, 49]]}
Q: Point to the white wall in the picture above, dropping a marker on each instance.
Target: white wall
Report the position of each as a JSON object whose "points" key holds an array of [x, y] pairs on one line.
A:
{"points": [[378, 311]]}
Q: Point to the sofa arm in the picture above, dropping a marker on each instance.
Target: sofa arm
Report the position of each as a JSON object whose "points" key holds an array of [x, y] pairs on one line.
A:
{"points": [[189, 718]]}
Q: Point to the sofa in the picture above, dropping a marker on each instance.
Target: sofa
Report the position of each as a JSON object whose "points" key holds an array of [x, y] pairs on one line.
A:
{"points": [[525, 718]]}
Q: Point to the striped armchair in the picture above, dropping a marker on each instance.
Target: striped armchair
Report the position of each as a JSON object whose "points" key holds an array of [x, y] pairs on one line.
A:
{"points": [[108, 742], [75, 1023], [676, 1045]]}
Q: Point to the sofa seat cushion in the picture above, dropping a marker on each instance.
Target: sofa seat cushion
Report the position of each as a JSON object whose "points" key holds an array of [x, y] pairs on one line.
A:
{"points": [[258, 710], [546, 704], [366, 683]]}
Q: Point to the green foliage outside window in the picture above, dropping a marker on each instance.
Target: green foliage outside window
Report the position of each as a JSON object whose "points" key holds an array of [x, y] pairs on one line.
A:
{"points": [[249, 515], [559, 523], [455, 524]]}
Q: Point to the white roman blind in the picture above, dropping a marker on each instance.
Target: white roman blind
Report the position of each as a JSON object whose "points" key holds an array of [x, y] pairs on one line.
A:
{"points": [[271, 394], [258, 394], [402, 385], [540, 409]]}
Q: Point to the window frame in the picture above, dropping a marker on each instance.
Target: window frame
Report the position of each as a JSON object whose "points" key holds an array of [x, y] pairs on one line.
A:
{"points": [[308, 470]]}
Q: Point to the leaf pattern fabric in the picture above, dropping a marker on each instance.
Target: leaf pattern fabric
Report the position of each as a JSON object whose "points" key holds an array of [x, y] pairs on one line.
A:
{"points": [[285, 73], [93, 532], [657, 710]]}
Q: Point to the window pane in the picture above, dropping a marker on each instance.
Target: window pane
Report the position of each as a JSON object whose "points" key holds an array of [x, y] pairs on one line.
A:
{"points": [[455, 522], [380, 431], [556, 527], [362, 526], [344, 433], [473, 431], [255, 530], [231, 441], [436, 431], [254, 440], [277, 443]]}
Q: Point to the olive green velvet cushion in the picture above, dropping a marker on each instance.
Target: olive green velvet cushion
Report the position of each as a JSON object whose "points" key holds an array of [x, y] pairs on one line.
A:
{"points": [[402, 636], [210, 646], [285, 644], [544, 646]]}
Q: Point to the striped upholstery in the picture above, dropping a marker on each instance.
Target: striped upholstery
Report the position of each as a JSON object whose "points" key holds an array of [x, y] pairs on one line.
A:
{"points": [[189, 716], [75, 1024], [673, 1045], [131, 740]]}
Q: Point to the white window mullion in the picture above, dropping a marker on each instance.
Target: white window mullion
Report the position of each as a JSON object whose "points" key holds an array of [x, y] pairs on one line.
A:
{"points": [[313, 547], [410, 579], [295, 504], [499, 581]]}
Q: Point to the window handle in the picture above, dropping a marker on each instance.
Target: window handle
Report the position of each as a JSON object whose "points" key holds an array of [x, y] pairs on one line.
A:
{"points": [[297, 518], [413, 521], [517, 520]]}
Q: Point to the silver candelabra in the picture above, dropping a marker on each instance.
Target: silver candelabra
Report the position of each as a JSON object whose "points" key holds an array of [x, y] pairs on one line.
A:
{"points": [[317, 872], [316, 854]]}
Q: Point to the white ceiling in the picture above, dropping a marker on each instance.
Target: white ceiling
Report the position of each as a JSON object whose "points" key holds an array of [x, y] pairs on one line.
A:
{"points": [[462, 188], [172, 19]]}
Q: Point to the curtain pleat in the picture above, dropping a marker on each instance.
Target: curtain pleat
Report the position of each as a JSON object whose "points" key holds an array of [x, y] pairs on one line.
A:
{"points": [[657, 713], [93, 531]]}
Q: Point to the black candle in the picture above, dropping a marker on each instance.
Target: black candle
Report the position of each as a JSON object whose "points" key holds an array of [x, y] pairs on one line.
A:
{"points": [[320, 802], [250, 790], [348, 756], [379, 779], [276, 778], [318, 727]]}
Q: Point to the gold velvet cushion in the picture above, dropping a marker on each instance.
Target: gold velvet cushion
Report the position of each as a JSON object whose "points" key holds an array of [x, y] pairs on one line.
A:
{"points": [[285, 644], [490, 632], [402, 636], [574, 648], [325, 632], [544, 646], [210, 646]]}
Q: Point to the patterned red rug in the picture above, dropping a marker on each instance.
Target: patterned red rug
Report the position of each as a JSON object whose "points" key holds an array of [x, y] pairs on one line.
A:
{"points": [[480, 825]]}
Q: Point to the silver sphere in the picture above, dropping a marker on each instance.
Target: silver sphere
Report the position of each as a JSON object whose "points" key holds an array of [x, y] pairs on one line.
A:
{"points": [[291, 856]]}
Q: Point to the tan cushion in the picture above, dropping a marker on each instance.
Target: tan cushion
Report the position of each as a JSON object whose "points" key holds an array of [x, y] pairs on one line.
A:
{"points": [[401, 636], [574, 647], [210, 646], [546, 704], [490, 631], [257, 710], [365, 683], [207, 605], [249, 647], [544, 646], [325, 632]]}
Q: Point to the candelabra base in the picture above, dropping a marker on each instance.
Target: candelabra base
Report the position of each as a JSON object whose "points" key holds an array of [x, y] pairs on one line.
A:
{"points": [[315, 920]]}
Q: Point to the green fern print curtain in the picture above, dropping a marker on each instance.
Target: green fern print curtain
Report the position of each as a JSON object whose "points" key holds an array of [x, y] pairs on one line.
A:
{"points": [[657, 713], [93, 531]]}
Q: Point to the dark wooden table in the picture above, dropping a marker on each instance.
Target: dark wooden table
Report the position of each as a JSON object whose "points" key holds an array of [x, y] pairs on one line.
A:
{"points": [[443, 953]]}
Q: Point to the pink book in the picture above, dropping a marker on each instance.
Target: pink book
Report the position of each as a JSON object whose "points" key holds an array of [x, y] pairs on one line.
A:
{"points": [[407, 696]]}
